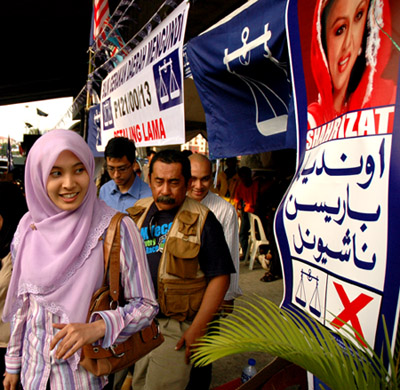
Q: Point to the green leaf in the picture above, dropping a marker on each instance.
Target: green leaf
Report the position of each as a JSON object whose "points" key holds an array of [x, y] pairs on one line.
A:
{"points": [[337, 359]]}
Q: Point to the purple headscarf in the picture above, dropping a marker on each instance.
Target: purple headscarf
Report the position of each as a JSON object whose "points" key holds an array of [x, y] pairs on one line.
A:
{"points": [[57, 256]]}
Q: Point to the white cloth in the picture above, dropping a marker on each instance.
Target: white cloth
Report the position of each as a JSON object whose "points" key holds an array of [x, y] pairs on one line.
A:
{"points": [[227, 217]]}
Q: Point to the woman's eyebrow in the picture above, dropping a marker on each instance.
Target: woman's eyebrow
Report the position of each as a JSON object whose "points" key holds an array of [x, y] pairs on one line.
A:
{"points": [[362, 3], [75, 165], [339, 19]]}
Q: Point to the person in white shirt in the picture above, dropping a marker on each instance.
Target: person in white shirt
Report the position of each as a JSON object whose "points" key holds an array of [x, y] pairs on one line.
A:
{"points": [[199, 190]]}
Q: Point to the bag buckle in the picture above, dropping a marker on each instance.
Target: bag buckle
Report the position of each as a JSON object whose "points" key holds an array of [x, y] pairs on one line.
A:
{"points": [[115, 354], [113, 305], [158, 329]]}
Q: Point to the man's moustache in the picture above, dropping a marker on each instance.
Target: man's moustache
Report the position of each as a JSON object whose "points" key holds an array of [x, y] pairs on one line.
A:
{"points": [[165, 199]]}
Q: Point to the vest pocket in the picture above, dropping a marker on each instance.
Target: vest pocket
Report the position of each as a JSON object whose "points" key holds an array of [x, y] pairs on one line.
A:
{"points": [[181, 299], [182, 258]]}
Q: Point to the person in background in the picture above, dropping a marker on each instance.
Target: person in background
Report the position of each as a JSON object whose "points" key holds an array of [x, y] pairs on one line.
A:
{"points": [[245, 200], [12, 208], [231, 167], [221, 187], [58, 264], [145, 170], [187, 152], [199, 190], [271, 192], [125, 188], [232, 177], [137, 169], [185, 247]]}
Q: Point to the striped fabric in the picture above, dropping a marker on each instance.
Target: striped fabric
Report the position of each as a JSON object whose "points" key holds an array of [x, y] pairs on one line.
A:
{"points": [[28, 350], [101, 13], [227, 217], [104, 31]]}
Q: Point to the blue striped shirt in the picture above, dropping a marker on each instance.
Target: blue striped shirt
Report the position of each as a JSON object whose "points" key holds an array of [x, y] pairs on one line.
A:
{"points": [[111, 194], [29, 352]]}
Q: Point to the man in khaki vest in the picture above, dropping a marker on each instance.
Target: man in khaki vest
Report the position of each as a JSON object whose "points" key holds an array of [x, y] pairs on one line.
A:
{"points": [[190, 265]]}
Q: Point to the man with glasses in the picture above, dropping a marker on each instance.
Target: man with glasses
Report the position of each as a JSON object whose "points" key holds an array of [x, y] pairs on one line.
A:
{"points": [[125, 188]]}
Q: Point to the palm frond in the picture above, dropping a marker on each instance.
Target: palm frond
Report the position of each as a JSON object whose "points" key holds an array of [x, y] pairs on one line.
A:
{"points": [[259, 325]]}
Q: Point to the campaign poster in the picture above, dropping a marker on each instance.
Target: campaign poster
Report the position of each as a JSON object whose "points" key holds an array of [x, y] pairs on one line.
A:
{"points": [[142, 98], [338, 224]]}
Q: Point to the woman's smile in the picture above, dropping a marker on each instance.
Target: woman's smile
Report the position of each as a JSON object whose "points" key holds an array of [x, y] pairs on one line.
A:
{"points": [[70, 197], [343, 62]]}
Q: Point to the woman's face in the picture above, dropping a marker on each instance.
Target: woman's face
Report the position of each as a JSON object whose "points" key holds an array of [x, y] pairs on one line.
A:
{"points": [[68, 182], [345, 24]]}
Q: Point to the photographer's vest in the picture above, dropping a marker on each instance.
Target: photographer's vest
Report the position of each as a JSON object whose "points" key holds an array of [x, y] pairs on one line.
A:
{"points": [[181, 282]]}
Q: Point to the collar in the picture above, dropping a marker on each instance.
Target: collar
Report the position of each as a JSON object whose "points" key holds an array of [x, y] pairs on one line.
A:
{"points": [[207, 196], [133, 191]]}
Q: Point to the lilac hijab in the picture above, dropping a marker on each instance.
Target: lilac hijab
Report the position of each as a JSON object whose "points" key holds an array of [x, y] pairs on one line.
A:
{"points": [[57, 255]]}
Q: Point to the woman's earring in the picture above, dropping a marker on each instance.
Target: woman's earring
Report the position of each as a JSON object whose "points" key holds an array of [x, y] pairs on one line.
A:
{"points": [[359, 51]]}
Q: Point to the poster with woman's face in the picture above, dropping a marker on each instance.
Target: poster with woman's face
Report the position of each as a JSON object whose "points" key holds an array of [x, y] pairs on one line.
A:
{"points": [[338, 225], [349, 63]]}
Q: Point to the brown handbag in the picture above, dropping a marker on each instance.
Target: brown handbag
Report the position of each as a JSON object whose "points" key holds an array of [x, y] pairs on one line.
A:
{"points": [[104, 361]]}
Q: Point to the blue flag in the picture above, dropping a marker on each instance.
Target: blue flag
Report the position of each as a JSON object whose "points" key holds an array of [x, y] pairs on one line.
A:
{"points": [[241, 72]]}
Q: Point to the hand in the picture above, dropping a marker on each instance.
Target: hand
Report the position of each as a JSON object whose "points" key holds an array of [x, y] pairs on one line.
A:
{"points": [[188, 338], [75, 336], [10, 381], [227, 307]]}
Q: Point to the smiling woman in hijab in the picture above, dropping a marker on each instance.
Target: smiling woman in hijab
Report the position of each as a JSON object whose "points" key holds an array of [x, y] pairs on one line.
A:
{"points": [[58, 263]]}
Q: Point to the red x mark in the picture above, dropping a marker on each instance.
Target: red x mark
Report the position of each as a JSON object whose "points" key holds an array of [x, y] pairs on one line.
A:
{"points": [[350, 311]]}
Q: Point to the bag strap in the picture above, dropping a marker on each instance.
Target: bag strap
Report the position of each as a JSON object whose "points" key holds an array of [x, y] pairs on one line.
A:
{"points": [[112, 245]]}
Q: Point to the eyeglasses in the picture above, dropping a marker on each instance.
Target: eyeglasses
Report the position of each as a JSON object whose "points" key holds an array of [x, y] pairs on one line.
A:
{"points": [[122, 169]]}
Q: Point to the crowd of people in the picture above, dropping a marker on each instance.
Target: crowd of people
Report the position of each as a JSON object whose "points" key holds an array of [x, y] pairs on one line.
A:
{"points": [[179, 260]]}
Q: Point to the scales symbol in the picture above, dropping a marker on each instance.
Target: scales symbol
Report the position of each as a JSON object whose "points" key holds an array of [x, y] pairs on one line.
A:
{"points": [[108, 121], [262, 94], [97, 122], [172, 91], [315, 305]]}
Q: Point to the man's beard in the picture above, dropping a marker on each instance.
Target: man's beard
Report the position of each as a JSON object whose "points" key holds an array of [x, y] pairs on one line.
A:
{"points": [[165, 199]]}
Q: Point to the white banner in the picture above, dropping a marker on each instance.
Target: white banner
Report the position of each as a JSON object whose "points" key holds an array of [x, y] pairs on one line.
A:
{"points": [[142, 98]]}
